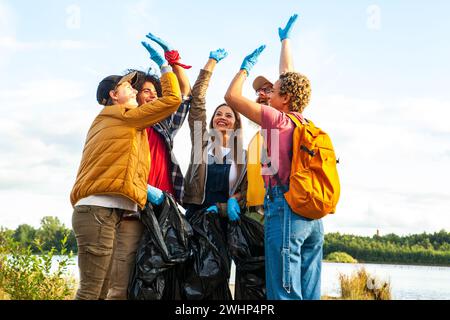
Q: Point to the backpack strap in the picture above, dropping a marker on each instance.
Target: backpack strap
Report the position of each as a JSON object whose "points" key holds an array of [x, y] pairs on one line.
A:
{"points": [[299, 124], [295, 119]]}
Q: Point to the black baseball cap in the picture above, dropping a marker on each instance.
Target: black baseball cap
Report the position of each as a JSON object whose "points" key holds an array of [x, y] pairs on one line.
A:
{"points": [[111, 83]]}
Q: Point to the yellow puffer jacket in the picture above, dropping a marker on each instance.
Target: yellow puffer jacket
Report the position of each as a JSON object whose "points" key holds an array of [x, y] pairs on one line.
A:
{"points": [[116, 156]]}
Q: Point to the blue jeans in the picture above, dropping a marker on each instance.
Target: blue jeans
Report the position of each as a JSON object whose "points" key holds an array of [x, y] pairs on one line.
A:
{"points": [[294, 250]]}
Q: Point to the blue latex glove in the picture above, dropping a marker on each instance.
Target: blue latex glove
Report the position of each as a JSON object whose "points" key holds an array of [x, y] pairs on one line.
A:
{"points": [[166, 47], [286, 32], [252, 59], [233, 209], [154, 195], [218, 55], [154, 55], [213, 209]]}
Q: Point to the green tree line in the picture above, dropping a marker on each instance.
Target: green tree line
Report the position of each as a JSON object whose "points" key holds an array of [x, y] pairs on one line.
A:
{"points": [[48, 236], [421, 249], [428, 249]]}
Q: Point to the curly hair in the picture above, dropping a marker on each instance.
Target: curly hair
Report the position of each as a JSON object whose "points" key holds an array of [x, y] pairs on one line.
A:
{"points": [[298, 87]]}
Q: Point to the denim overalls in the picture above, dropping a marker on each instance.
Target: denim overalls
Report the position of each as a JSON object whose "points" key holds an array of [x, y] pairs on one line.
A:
{"points": [[217, 187], [217, 184]]}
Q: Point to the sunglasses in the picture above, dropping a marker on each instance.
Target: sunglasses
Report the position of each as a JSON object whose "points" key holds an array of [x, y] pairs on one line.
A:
{"points": [[264, 90]]}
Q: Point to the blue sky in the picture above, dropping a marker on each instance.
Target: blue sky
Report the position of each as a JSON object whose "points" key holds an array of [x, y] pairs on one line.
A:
{"points": [[379, 72]]}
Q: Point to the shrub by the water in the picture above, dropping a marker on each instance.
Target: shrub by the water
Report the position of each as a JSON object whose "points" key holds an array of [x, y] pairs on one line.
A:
{"points": [[340, 257], [27, 276]]}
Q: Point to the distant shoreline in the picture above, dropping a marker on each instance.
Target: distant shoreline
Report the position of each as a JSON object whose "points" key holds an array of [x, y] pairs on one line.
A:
{"points": [[367, 263], [395, 264]]}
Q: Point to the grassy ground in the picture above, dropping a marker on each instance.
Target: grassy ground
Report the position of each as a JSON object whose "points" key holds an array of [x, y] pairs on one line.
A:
{"points": [[3, 295], [358, 286]]}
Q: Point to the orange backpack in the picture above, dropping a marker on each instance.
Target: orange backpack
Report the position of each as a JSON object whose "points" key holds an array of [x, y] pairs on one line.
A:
{"points": [[314, 187]]}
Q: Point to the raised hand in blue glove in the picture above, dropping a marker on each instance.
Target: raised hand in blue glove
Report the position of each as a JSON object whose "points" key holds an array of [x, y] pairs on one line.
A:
{"points": [[166, 47], [154, 55], [213, 209], [252, 59], [286, 32], [154, 195], [233, 209], [218, 55]]}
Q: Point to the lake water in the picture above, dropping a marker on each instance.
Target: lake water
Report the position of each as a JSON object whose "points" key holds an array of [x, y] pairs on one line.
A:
{"points": [[407, 282]]}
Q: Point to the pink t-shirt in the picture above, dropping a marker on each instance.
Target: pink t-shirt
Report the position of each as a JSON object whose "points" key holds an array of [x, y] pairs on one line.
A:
{"points": [[278, 130]]}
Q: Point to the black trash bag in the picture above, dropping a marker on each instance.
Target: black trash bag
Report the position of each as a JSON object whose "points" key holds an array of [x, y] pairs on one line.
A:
{"points": [[206, 275], [164, 246], [246, 245]]}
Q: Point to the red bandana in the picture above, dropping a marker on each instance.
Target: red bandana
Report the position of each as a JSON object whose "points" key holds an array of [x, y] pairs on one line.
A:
{"points": [[173, 57]]}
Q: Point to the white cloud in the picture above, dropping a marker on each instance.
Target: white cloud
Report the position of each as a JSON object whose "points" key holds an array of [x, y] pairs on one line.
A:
{"points": [[430, 115], [42, 92], [41, 135], [12, 44], [29, 207], [394, 163], [393, 174], [394, 154]]}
